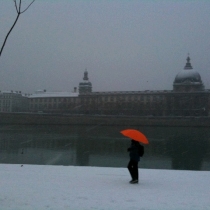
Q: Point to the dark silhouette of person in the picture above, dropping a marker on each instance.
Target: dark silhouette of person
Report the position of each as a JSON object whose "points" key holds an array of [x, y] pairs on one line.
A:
{"points": [[133, 163]]}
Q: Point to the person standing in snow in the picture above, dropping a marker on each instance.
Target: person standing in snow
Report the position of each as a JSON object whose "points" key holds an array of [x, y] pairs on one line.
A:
{"points": [[133, 163]]}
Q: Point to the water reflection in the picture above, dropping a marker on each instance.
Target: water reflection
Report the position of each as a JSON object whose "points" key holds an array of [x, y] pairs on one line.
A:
{"points": [[188, 149], [169, 148]]}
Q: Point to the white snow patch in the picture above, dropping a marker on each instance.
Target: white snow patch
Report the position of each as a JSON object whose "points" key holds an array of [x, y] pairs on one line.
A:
{"points": [[72, 187]]}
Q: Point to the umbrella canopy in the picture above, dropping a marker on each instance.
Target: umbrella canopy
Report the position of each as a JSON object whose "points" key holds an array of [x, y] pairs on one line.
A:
{"points": [[135, 135]]}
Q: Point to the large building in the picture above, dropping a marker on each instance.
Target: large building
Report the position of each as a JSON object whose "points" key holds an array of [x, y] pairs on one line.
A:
{"points": [[54, 102], [188, 98], [13, 101]]}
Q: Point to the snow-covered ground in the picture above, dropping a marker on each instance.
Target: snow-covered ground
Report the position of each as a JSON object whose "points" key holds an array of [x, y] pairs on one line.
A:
{"points": [[77, 188]]}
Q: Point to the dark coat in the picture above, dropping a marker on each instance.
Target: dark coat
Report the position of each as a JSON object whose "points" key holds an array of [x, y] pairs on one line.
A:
{"points": [[133, 151]]}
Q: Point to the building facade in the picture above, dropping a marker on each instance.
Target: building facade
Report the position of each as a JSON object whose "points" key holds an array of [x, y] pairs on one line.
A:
{"points": [[188, 98], [54, 102], [13, 101]]}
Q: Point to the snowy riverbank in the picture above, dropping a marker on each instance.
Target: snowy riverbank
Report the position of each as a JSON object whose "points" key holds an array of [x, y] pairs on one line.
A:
{"points": [[76, 188]]}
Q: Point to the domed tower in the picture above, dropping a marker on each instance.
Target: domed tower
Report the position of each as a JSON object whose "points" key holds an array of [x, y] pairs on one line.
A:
{"points": [[188, 80], [85, 86]]}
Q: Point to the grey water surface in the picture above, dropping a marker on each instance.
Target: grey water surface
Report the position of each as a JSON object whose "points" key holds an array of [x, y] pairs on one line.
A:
{"points": [[185, 148]]}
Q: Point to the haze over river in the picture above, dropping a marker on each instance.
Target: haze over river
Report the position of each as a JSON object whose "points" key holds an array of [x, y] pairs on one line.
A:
{"points": [[186, 148]]}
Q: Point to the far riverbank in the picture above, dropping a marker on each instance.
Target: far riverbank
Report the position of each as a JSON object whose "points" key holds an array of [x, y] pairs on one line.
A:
{"points": [[65, 119]]}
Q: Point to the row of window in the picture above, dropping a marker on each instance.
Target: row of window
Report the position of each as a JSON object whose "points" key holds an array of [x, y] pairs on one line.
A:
{"points": [[89, 105], [96, 103], [41, 100], [103, 98], [51, 106], [124, 98], [9, 96], [5, 102]]}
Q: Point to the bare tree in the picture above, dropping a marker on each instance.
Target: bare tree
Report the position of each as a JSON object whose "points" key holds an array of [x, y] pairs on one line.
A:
{"points": [[18, 7]]}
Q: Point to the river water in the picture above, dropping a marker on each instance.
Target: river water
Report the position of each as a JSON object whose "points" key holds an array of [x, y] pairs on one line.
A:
{"points": [[185, 148]]}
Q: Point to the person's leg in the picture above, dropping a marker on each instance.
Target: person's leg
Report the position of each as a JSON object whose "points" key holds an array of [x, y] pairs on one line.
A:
{"points": [[130, 168], [135, 170]]}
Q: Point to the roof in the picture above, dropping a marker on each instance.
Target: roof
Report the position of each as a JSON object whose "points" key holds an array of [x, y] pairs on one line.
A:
{"points": [[190, 75], [53, 94], [145, 92], [10, 92]]}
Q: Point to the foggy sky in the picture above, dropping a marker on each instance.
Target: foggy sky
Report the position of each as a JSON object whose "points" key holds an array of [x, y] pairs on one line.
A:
{"points": [[130, 45]]}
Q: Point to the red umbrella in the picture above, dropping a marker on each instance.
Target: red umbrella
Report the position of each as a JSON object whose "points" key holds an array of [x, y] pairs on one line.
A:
{"points": [[135, 135]]}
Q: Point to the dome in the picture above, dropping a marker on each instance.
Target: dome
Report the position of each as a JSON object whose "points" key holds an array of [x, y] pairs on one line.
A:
{"points": [[188, 77], [188, 74]]}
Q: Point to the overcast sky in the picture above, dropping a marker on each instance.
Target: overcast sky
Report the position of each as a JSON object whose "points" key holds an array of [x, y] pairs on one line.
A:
{"points": [[131, 45]]}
